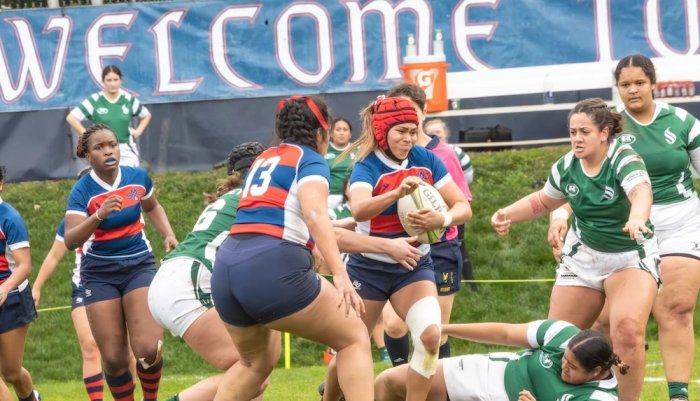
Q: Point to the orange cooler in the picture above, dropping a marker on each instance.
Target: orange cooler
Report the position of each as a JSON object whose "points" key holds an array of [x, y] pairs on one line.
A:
{"points": [[430, 73]]}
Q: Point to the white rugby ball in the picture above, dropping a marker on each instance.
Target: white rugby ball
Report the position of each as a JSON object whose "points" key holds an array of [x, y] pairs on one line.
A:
{"points": [[425, 196]]}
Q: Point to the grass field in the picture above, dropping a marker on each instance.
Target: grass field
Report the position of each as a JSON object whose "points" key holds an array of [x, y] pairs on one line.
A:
{"points": [[52, 354]]}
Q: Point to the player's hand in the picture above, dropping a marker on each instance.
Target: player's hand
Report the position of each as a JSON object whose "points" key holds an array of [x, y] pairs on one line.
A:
{"points": [[4, 292], [408, 185], [36, 295], [112, 204], [525, 395], [319, 263], [425, 219], [170, 242], [556, 235], [401, 250], [348, 295], [635, 227], [500, 223]]}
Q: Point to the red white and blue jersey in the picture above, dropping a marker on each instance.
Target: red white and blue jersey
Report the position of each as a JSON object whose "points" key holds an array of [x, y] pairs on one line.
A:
{"points": [[120, 236], [60, 233], [269, 202], [380, 174], [13, 235]]}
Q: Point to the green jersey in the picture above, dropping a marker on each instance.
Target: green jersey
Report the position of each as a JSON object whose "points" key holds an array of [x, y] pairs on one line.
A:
{"points": [[666, 144], [210, 231], [116, 115], [340, 171], [466, 162], [340, 212], [600, 204], [539, 369]]}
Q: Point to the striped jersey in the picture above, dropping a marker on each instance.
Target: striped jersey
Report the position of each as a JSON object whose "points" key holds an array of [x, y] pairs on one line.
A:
{"points": [[466, 162], [209, 232], [120, 235], [60, 233], [668, 144], [600, 203], [116, 115], [339, 171], [13, 236], [539, 369], [269, 200], [380, 174]]}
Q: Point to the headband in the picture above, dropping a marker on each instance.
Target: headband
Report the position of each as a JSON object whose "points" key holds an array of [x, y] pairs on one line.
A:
{"points": [[388, 112], [310, 103]]}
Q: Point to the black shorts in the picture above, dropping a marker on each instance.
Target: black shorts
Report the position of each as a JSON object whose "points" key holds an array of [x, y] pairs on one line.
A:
{"points": [[17, 310]]}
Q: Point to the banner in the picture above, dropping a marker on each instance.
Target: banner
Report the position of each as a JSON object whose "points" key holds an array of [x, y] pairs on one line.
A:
{"points": [[205, 50]]}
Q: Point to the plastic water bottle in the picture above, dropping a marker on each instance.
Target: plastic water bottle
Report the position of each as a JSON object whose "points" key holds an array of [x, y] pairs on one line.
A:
{"points": [[438, 44], [548, 90], [411, 45]]}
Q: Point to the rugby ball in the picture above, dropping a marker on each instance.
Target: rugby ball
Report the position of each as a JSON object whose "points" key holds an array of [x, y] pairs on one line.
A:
{"points": [[425, 196]]}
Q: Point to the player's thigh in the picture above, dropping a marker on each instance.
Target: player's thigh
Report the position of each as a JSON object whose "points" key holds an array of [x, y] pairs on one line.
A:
{"points": [[207, 337], [576, 304]]}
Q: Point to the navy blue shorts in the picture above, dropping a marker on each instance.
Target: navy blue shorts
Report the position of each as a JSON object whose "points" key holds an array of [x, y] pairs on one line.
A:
{"points": [[17, 310], [447, 262], [258, 279], [77, 296], [103, 280], [376, 281]]}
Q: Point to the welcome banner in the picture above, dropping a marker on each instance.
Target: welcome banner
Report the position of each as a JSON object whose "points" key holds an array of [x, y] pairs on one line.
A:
{"points": [[203, 50]]}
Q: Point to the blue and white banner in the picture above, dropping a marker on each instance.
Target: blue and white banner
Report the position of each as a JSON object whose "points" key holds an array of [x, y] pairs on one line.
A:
{"points": [[211, 49]]}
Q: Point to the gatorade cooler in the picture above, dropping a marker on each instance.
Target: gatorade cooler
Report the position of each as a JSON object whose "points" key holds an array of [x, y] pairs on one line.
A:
{"points": [[430, 73]]}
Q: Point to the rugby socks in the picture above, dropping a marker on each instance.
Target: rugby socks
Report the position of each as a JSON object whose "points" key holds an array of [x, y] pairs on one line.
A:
{"points": [[445, 351], [678, 389], [121, 387], [95, 386], [398, 349], [150, 379]]}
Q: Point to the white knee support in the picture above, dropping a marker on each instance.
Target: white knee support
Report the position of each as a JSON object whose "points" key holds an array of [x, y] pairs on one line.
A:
{"points": [[422, 314]]}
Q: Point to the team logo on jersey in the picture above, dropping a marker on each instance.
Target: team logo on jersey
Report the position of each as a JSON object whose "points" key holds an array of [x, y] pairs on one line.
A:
{"points": [[628, 139], [125, 109], [572, 189], [565, 397], [133, 195], [423, 176], [102, 110], [670, 136], [329, 156], [546, 361], [609, 193]]}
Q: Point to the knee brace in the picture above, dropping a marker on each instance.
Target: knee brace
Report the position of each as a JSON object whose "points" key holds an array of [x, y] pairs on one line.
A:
{"points": [[422, 314]]}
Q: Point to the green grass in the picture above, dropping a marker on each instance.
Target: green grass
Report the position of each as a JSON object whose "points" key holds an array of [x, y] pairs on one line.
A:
{"points": [[52, 353]]}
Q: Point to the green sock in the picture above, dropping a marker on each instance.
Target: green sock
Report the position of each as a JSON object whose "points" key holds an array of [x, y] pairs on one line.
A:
{"points": [[677, 388], [176, 397]]}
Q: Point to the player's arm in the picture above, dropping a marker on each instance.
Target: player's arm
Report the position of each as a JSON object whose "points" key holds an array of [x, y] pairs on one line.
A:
{"points": [[558, 225], [459, 211], [143, 123], [399, 249], [490, 333], [530, 207], [365, 207], [79, 226], [48, 267], [23, 267], [76, 124], [156, 214], [641, 198], [313, 199]]}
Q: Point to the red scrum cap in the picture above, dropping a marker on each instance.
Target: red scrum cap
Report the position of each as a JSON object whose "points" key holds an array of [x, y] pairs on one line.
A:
{"points": [[388, 112]]}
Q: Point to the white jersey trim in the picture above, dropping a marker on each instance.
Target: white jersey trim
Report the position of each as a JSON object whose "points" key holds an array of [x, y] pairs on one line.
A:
{"points": [[532, 333], [361, 184], [552, 192], [78, 212], [313, 178], [18, 245], [443, 181]]}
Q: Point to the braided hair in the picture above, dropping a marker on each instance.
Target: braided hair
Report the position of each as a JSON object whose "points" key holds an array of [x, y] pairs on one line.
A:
{"points": [[83, 147], [239, 161], [636, 60], [593, 350], [297, 123]]}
